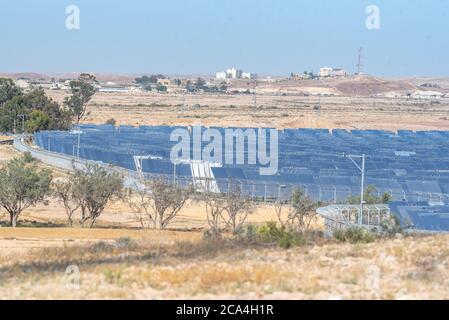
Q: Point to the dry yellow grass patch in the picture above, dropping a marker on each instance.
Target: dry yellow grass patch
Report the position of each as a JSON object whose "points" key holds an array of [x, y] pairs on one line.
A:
{"points": [[413, 267], [95, 234]]}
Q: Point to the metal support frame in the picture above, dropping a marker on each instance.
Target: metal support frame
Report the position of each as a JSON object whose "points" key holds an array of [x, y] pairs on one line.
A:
{"points": [[361, 167], [139, 159]]}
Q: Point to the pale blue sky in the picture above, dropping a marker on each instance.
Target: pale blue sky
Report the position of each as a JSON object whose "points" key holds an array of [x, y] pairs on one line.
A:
{"points": [[205, 36]]}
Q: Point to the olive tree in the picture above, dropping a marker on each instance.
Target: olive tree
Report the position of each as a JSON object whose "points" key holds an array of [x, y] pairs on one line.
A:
{"points": [[8, 90], [82, 91], [66, 194], [22, 185], [93, 188]]}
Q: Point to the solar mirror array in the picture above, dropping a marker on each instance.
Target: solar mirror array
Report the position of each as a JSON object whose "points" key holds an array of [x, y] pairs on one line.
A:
{"points": [[413, 167]]}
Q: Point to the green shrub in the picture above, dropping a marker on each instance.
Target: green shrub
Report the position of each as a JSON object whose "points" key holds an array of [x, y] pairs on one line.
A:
{"points": [[271, 233], [27, 157], [391, 226], [111, 122], [354, 235], [289, 239]]}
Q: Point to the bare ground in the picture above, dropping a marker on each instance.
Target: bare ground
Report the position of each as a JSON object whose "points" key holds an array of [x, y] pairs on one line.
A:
{"points": [[290, 111]]}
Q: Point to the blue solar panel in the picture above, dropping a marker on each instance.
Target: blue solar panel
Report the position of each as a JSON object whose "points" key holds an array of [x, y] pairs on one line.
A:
{"points": [[409, 165]]}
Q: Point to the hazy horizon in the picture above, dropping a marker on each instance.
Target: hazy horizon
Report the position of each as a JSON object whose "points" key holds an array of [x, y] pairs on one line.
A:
{"points": [[202, 37]]}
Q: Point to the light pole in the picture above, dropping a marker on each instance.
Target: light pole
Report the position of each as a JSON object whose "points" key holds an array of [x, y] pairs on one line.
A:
{"points": [[21, 117], [362, 171]]}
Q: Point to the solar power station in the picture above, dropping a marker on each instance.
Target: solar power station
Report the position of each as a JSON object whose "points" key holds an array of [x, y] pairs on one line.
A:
{"points": [[413, 167]]}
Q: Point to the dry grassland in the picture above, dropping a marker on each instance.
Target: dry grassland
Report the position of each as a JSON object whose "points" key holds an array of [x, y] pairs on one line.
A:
{"points": [[273, 111], [409, 268]]}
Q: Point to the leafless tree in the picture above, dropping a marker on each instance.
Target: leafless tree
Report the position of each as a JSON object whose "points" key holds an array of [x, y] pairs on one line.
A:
{"points": [[65, 193], [237, 208], [299, 214], [140, 202], [283, 213], [160, 202], [215, 204]]}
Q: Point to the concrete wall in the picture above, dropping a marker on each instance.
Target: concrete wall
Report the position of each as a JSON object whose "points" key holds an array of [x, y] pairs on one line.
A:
{"points": [[69, 163]]}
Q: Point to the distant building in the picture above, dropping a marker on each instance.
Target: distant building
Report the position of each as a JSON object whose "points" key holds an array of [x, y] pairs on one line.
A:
{"points": [[234, 73], [300, 76], [338, 73], [326, 72], [427, 95], [58, 86], [113, 89], [249, 75], [221, 75]]}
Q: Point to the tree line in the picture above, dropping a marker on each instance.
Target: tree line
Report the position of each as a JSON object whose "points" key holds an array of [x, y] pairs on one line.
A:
{"points": [[85, 192], [33, 110]]}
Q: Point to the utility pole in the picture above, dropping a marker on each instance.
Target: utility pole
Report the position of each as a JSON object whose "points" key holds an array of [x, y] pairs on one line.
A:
{"points": [[22, 117], [362, 188], [174, 174], [360, 61], [255, 94]]}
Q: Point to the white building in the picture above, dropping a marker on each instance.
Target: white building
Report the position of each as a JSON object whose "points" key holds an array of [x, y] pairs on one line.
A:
{"points": [[249, 75], [234, 73], [332, 72], [221, 76], [338, 73], [113, 89], [427, 95], [325, 72]]}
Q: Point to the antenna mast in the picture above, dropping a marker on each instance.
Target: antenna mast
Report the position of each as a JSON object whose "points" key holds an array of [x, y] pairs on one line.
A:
{"points": [[360, 61]]}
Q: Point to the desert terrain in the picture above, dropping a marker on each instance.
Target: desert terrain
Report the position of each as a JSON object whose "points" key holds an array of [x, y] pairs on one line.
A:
{"points": [[177, 265], [366, 103], [118, 260]]}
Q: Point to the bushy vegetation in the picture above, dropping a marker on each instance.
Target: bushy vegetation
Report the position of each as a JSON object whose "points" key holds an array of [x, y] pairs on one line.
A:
{"points": [[34, 111], [22, 184], [298, 214], [271, 233], [87, 192], [30, 111], [354, 235], [111, 121], [370, 197]]}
